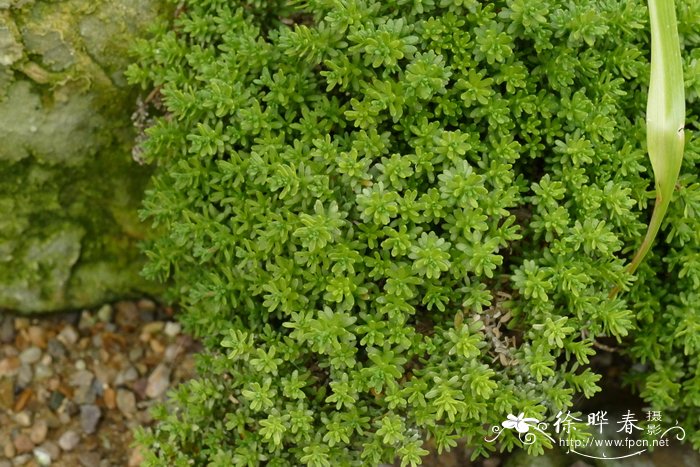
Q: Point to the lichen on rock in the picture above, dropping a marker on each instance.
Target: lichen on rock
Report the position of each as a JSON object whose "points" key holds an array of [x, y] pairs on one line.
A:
{"points": [[70, 189]]}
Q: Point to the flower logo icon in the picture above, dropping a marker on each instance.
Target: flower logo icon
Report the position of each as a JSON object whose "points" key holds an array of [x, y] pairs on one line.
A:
{"points": [[520, 423]]}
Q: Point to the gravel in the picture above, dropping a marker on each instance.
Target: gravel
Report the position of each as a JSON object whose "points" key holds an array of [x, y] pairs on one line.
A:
{"points": [[69, 440], [73, 386], [89, 418]]}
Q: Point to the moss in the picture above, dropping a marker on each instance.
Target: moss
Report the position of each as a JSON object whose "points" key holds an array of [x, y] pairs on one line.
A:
{"points": [[69, 230]]}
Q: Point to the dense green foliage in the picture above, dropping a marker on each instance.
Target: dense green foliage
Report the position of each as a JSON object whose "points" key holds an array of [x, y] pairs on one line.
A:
{"points": [[400, 220]]}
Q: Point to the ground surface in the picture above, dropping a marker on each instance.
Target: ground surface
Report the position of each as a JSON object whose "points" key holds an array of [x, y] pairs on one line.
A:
{"points": [[72, 386]]}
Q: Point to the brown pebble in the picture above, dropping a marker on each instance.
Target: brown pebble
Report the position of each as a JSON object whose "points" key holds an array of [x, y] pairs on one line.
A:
{"points": [[89, 459], [37, 336], [23, 399], [21, 323], [126, 315], [7, 393], [23, 444], [126, 402], [110, 398], [9, 366], [156, 346], [139, 387], [153, 327], [146, 305], [39, 432], [9, 450], [136, 458]]}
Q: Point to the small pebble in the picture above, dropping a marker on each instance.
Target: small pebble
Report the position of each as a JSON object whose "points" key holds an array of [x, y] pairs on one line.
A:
{"points": [[68, 440], [135, 353], [23, 459], [152, 328], [172, 352], [89, 418], [21, 323], [23, 419], [68, 336], [136, 458], [30, 355], [42, 456], [9, 450], [81, 378], [25, 376], [89, 459], [126, 376], [158, 382], [146, 305], [51, 449], [156, 346], [39, 432], [42, 372], [110, 398], [37, 336], [126, 402], [9, 366], [172, 328], [87, 320], [55, 400], [7, 393], [104, 314], [23, 444], [7, 330], [126, 315], [56, 349]]}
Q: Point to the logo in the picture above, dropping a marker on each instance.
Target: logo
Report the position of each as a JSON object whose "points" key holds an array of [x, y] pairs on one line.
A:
{"points": [[632, 436]]}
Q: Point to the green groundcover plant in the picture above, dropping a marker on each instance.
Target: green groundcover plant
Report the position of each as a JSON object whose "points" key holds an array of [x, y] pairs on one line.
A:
{"points": [[398, 221]]}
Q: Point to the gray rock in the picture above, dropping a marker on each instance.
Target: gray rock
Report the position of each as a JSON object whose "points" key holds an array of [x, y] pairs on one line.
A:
{"points": [[69, 440], [89, 459], [127, 375], [25, 376], [135, 354], [89, 418], [30, 355], [7, 330], [172, 328], [82, 381], [56, 349], [158, 381], [42, 372], [68, 336], [87, 321], [104, 314], [51, 449], [126, 402], [66, 151]]}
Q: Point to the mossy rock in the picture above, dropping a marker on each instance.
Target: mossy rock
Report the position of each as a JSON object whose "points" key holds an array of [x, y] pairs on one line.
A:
{"points": [[70, 188]]}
